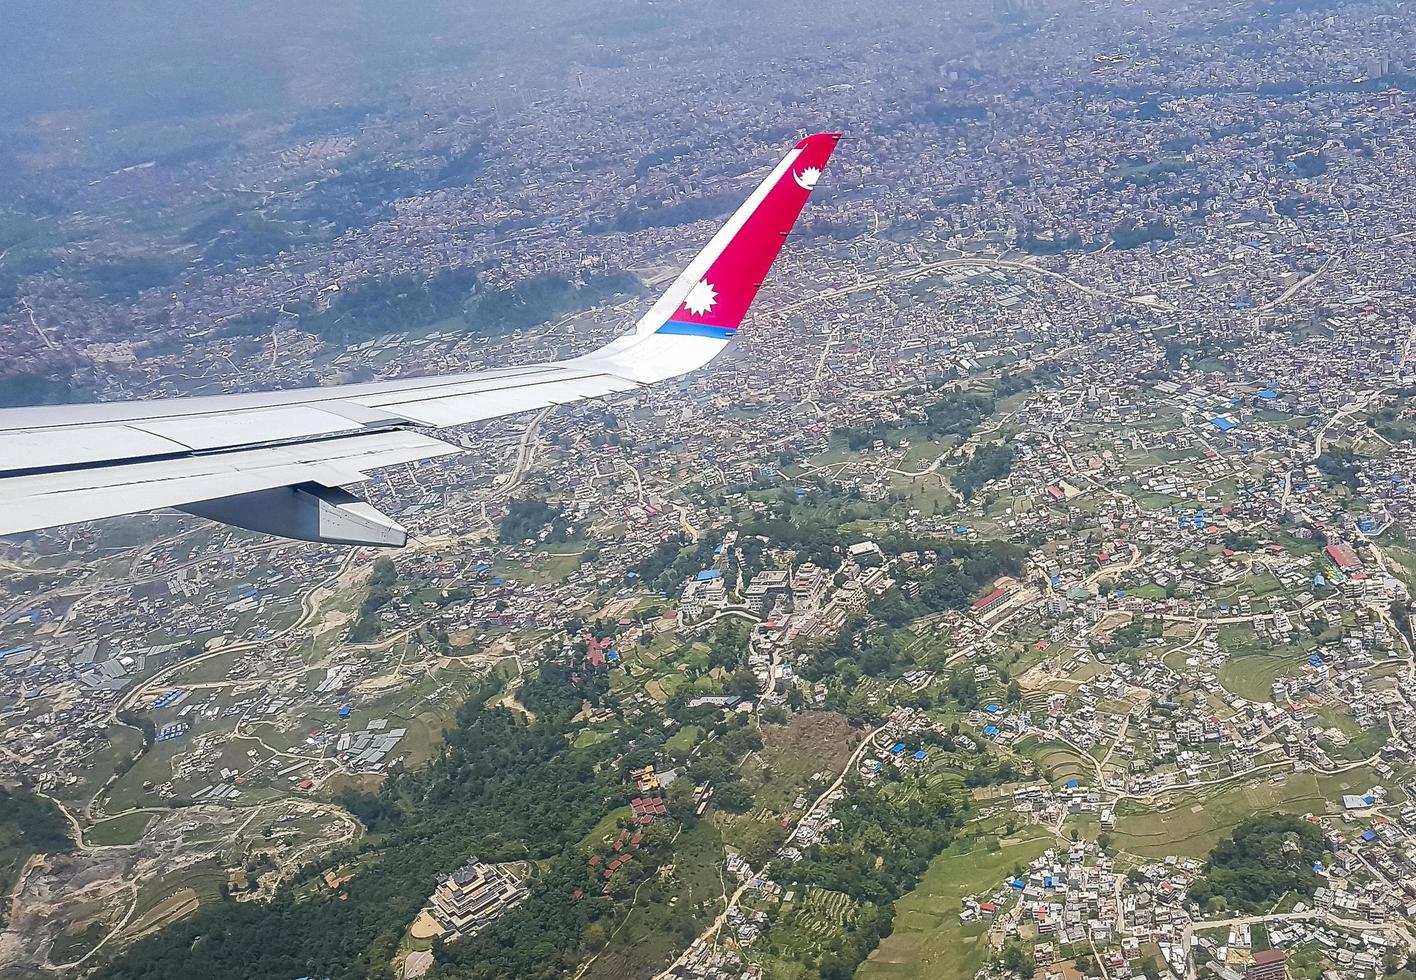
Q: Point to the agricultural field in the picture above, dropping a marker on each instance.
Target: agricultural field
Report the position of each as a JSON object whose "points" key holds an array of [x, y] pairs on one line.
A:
{"points": [[929, 941], [811, 924], [1058, 763], [1191, 825]]}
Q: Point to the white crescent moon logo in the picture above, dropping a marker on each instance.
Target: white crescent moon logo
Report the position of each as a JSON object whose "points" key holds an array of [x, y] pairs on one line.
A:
{"points": [[807, 179]]}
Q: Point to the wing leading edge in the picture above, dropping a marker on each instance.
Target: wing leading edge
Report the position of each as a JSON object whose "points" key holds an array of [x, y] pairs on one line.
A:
{"points": [[277, 461]]}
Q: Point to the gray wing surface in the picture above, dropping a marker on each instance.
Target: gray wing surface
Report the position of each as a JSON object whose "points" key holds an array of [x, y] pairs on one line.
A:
{"points": [[68, 464]]}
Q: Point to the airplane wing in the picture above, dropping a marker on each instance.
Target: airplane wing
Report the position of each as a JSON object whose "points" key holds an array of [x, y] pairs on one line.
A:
{"points": [[278, 461]]}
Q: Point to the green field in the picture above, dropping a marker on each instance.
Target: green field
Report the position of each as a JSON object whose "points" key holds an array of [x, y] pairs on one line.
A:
{"points": [[126, 828], [1252, 675], [589, 738], [71, 945], [683, 740], [929, 941], [95, 769], [1191, 826]]}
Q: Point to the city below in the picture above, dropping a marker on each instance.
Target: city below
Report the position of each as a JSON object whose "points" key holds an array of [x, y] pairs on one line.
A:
{"points": [[1024, 594]]}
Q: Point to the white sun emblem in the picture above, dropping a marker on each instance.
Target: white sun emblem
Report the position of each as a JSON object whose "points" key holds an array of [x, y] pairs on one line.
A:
{"points": [[700, 298], [807, 179]]}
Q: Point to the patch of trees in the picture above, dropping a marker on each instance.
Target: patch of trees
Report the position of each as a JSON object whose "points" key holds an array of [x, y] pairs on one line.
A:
{"points": [[388, 303], [963, 688], [1267, 856], [989, 462], [1018, 960], [378, 811], [837, 229], [235, 235], [961, 194], [817, 539], [391, 303], [142, 723], [1016, 381], [1339, 463], [29, 825], [1130, 233], [528, 518], [34, 822], [957, 414], [1238, 541], [676, 559], [962, 570], [862, 648], [558, 693], [361, 194], [1133, 633], [640, 216], [1393, 424], [540, 299], [368, 625], [121, 280], [734, 797], [728, 645], [462, 167], [948, 113], [719, 760], [1054, 245], [323, 120], [1196, 348], [657, 158], [1295, 205], [1146, 174], [1309, 163], [995, 774], [1401, 616]]}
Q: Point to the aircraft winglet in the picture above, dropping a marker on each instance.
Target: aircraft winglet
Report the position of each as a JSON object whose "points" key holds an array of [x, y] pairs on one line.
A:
{"points": [[711, 296]]}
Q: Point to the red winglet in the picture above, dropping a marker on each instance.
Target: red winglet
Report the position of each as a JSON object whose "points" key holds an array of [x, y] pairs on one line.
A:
{"points": [[718, 301]]}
